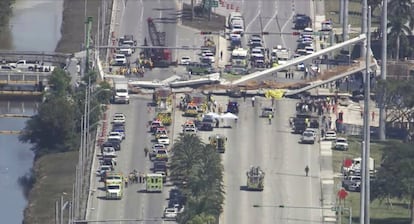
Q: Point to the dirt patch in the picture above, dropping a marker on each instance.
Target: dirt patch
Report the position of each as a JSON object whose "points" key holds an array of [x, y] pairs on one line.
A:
{"points": [[73, 23], [201, 22], [55, 175]]}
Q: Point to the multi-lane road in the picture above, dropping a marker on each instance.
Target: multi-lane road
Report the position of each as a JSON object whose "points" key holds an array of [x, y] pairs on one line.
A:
{"points": [[252, 141]]}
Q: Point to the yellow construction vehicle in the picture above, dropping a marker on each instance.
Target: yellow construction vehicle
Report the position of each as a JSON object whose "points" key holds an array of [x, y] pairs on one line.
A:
{"points": [[255, 179], [219, 142]]}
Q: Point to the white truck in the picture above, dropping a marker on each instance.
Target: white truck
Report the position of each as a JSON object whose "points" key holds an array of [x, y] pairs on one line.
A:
{"points": [[26, 65], [354, 167], [280, 55], [120, 94], [235, 22]]}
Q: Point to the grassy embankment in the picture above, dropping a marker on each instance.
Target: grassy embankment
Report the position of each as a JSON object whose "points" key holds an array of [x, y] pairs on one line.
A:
{"points": [[354, 18], [381, 213], [55, 173]]}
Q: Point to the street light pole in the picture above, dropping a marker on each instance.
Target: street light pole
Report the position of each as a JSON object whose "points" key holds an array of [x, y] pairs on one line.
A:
{"points": [[382, 113]]}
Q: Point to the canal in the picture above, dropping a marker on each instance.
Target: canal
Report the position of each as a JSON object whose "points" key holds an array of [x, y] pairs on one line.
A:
{"points": [[34, 26]]}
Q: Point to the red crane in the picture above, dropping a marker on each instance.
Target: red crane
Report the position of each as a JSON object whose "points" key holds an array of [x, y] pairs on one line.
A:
{"points": [[159, 56]]}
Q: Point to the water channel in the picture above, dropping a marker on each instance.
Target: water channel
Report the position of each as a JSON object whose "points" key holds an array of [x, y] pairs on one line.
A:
{"points": [[34, 26]]}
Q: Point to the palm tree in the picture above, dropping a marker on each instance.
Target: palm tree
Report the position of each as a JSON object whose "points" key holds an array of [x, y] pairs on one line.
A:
{"points": [[200, 166], [398, 30], [187, 151]]}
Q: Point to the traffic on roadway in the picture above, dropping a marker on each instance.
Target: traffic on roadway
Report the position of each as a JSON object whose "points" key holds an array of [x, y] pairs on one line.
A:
{"points": [[268, 145]]}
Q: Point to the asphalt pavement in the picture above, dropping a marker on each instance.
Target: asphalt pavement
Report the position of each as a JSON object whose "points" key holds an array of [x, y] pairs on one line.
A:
{"points": [[252, 141]]}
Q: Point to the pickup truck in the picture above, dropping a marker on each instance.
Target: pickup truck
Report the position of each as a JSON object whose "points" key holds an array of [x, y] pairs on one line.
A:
{"points": [[26, 65]]}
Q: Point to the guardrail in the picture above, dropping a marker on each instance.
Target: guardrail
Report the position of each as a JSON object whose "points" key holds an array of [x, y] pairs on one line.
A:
{"points": [[52, 57], [23, 78]]}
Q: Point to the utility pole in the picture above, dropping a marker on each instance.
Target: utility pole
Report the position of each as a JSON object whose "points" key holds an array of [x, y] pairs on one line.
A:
{"points": [[368, 128], [341, 12], [365, 185], [364, 24], [345, 26], [382, 113]]}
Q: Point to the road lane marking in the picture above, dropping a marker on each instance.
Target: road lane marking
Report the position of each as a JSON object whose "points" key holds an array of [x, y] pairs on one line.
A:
{"points": [[270, 21], [259, 8], [285, 25]]}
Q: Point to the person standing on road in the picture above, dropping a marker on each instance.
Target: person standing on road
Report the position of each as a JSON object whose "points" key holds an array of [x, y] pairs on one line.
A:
{"points": [[253, 99], [307, 170], [270, 118], [221, 55], [146, 151]]}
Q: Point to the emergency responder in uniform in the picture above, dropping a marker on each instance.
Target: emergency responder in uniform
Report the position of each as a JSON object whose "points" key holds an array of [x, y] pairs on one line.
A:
{"points": [[270, 118]]}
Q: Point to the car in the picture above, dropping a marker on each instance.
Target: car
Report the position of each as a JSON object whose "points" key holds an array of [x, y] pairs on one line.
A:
{"points": [[10, 68], [154, 125], [307, 138], [340, 144], [313, 130], [206, 126], [119, 118], [115, 143], [190, 130], [256, 52], [309, 50], [108, 151], [170, 214], [351, 183], [185, 60], [209, 56], [120, 128], [233, 107], [120, 59], [163, 139], [161, 155], [266, 111], [103, 169], [300, 67], [115, 135], [330, 136]]}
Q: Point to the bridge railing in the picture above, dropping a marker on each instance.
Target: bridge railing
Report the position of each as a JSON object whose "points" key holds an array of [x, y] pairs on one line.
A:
{"points": [[41, 56]]}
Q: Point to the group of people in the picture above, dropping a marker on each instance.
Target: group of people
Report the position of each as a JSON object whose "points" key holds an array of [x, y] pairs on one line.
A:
{"points": [[134, 177], [127, 71]]}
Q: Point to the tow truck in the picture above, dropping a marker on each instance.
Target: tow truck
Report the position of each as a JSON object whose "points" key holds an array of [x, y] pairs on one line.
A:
{"points": [[219, 142], [255, 178]]}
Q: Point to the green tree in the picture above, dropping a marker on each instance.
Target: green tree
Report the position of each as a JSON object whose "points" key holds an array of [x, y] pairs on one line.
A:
{"points": [[187, 151], [202, 218], [400, 23], [394, 178], [53, 128], [199, 165], [399, 100], [59, 82]]}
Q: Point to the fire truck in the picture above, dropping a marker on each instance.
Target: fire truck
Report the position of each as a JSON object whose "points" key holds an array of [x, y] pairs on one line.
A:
{"points": [[255, 178]]}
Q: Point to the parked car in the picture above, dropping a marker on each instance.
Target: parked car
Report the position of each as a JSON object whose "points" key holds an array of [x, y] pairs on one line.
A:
{"points": [[119, 118], [163, 139], [170, 214], [340, 144], [115, 135], [352, 183]]}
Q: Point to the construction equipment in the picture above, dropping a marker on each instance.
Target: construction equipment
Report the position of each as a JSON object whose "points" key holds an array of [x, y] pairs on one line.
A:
{"points": [[255, 178], [159, 57], [219, 142], [209, 44]]}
